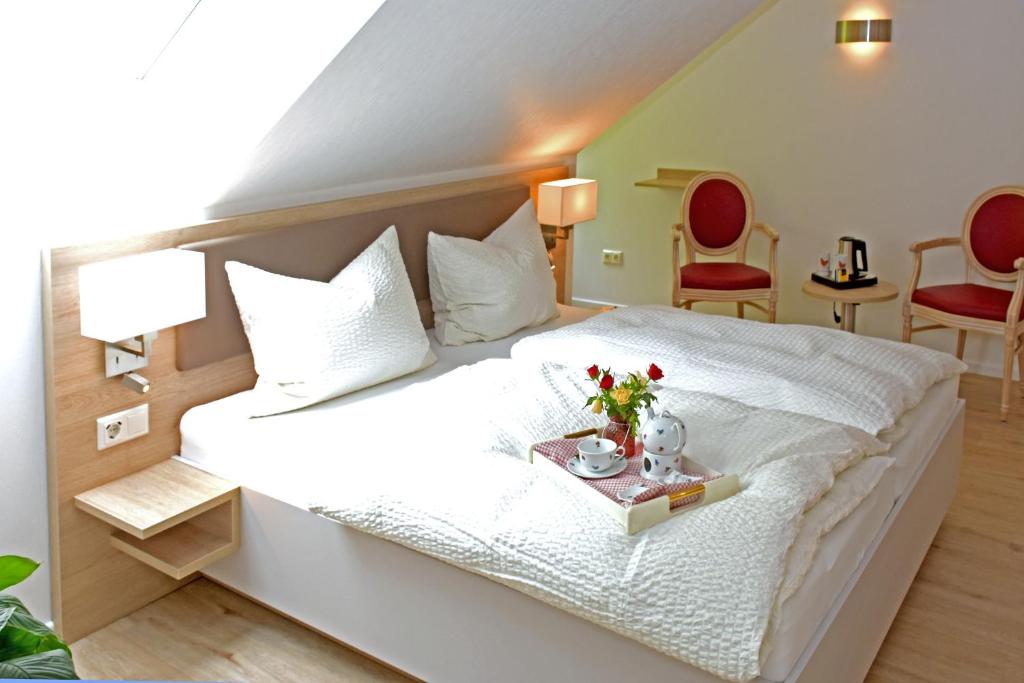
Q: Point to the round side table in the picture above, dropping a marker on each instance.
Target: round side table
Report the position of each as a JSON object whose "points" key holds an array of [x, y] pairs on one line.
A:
{"points": [[851, 298]]}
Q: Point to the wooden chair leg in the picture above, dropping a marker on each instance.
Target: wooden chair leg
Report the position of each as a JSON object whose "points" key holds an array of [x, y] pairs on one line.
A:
{"points": [[688, 305], [961, 339], [1008, 353], [771, 310], [1020, 365], [908, 321], [739, 309]]}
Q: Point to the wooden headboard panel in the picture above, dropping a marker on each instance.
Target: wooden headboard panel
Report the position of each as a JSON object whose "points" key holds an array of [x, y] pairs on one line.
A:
{"points": [[317, 251], [92, 583]]}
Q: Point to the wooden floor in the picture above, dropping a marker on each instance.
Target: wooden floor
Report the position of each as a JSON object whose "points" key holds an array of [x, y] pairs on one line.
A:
{"points": [[963, 619]]}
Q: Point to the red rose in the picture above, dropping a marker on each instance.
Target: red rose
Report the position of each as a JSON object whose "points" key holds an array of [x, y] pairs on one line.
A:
{"points": [[607, 382], [654, 372], [593, 371]]}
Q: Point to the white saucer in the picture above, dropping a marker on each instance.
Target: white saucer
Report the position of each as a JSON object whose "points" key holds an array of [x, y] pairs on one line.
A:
{"points": [[576, 467]]}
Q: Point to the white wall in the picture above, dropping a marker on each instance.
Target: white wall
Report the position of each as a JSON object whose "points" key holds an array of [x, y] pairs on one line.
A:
{"points": [[23, 510], [893, 148]]}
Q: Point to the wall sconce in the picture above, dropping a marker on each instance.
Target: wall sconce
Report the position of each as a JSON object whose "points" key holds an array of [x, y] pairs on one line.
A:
{"points": [[124, 301], [560, 205], [863, 31], [566, 202]]}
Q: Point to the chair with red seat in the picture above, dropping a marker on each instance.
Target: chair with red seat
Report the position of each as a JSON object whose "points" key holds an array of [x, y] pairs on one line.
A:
{"points": [[993, 242], [717, 218]]}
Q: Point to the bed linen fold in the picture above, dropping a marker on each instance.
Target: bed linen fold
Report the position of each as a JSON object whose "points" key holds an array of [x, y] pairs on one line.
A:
{"points": [[854, 380], [701, 587]]}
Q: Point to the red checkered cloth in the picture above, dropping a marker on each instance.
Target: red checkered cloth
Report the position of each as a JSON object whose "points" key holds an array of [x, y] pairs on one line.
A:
{"points": [[561, 451]]}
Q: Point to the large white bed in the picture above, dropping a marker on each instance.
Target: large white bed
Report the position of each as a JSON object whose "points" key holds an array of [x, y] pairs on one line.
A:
{"points": [[438, 622]]}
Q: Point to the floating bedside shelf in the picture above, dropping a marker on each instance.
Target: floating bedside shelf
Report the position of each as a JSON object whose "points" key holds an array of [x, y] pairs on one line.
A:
{"points": [[672, 178], [171, 516]]}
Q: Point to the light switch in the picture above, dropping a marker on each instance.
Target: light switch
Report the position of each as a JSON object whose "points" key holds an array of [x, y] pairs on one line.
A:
{"points": [[123, 426], [611, 257], [138, 423]]}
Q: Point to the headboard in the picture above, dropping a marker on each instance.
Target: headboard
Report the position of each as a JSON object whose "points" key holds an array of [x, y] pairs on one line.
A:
{"points": [[317, 251], [92, 582]]}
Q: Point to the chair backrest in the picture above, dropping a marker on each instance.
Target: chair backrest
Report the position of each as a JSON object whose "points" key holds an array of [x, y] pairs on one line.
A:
{"points": [[717, 213], [993, 232]]}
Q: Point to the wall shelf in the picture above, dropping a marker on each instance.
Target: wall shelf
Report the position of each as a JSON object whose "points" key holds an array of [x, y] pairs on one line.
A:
{"points": [[171, 516], [672, 178]]}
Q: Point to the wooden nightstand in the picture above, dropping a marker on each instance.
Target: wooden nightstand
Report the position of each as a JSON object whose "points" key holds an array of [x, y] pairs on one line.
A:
{"points": [[174, 517]]}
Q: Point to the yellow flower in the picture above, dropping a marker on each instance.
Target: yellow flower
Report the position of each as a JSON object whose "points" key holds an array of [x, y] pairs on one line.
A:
{"points": [[621, 395], [598, 407]]}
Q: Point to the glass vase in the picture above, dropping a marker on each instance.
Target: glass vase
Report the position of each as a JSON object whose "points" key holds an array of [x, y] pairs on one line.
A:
{"points": [[618, 430]]}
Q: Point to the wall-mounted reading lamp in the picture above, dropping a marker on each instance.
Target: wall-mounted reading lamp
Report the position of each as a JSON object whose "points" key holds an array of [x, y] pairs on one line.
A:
{"points": [[560, 205], [864, 31], [124, 301]]}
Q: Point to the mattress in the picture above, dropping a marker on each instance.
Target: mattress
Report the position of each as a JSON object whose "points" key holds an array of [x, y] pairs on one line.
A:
{"points": [[218, 437]]}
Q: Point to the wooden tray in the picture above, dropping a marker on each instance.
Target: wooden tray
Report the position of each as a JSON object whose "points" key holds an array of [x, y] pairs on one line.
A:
{"points": [[661, 502]]}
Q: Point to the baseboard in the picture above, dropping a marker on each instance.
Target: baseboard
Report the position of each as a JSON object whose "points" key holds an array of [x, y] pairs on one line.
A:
{"points": [[989, 369], [595, 303]]}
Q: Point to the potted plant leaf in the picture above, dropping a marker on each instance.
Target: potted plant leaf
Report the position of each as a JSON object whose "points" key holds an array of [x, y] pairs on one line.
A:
{"points": [[28, 648]]}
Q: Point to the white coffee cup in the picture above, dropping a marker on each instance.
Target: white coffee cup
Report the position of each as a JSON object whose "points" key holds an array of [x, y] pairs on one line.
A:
{"points": [[597, 454]]}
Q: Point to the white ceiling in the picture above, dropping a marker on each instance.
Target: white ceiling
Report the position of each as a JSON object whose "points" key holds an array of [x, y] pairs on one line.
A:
{"points": [[437, 90]]}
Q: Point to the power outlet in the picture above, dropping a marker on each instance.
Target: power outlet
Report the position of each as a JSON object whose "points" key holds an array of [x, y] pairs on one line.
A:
{"points": [[611, 257], [123, 426]]}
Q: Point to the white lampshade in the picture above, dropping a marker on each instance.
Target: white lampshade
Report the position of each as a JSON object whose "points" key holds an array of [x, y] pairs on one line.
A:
{"points": [[133, 295], [566, 202]]}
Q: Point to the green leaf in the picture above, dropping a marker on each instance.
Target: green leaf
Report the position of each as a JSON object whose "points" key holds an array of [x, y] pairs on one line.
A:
{"points": [[54, 665], [24, 635], [11, 601], [15, 569], [5, 615]]}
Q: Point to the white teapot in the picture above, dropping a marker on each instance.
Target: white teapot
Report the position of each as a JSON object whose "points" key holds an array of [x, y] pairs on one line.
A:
{"points": [[664, 437]]}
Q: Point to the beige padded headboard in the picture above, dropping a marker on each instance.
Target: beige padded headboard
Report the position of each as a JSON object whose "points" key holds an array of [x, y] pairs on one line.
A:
{"points": [[317, 251]]}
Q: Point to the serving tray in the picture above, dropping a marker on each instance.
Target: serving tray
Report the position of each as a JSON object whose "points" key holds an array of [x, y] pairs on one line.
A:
{"points": [[658, 503], [868, 281]]}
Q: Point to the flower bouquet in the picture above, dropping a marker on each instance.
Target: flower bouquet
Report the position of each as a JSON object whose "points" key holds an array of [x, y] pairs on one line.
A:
{"points": [[622, 402]]}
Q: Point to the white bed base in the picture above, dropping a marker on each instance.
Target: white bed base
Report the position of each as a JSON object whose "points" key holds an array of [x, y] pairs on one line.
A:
{"points": [[440, 623]]}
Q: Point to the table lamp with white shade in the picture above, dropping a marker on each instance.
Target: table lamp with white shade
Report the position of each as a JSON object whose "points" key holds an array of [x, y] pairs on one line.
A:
{"points": [[560, 205], [125, 301]]}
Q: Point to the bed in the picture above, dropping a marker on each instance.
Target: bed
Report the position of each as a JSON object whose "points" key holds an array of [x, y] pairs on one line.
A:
{"points": [[426, 615], [438, 622]]}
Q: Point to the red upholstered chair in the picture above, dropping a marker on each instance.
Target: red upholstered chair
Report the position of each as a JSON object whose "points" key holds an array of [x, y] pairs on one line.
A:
{"points": [[993, 244], [717, 218]]}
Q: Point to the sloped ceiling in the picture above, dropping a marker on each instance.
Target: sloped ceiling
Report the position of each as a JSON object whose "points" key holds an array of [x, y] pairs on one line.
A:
{"points": [[448, 89]]}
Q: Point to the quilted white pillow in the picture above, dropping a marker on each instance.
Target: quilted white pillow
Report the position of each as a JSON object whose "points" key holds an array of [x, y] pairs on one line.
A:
{"points": [[487, 289], [312, 341]]}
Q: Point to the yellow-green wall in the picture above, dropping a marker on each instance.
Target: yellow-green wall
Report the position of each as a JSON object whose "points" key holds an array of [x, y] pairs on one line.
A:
{"points": [[892, 148]]}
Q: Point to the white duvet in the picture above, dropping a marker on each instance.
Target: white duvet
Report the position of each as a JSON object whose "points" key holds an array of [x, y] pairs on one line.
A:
{"points": [[858, 381], [702, 587], [795, 411]]}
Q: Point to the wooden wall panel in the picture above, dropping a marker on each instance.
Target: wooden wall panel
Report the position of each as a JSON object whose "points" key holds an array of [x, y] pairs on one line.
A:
{"points": [[92, 583]]}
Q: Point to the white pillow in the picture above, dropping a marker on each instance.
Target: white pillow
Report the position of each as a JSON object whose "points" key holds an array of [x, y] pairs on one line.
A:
{"points": [[484, 290], [312, 341]]}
